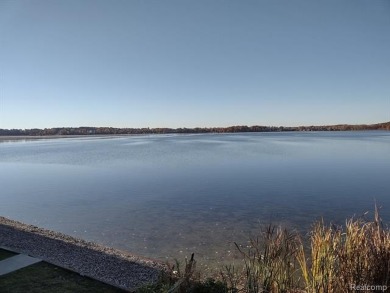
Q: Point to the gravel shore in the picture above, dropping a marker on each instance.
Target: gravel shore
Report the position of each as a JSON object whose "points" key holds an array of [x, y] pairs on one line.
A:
{"points": [[111, 266]]}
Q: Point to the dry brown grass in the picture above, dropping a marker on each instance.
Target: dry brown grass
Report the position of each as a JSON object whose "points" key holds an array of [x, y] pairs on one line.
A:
{"points": [[359, 254], [338, 259], [270, 261]]}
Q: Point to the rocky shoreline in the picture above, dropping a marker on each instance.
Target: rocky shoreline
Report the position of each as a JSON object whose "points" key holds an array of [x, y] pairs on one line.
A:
{"points": [[111, 266]]}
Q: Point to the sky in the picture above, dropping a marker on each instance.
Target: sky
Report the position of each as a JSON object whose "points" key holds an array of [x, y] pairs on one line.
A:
{"points": [[193, 63]]}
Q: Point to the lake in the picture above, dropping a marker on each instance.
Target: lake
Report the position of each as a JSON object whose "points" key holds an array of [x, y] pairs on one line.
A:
{"points": [[165, 196]]}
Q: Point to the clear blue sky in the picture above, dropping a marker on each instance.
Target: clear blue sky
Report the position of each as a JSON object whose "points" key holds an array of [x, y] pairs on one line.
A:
{"points": [[183, 63]]}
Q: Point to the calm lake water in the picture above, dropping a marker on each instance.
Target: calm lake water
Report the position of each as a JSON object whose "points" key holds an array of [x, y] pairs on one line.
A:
{"points": [[166, 196]]}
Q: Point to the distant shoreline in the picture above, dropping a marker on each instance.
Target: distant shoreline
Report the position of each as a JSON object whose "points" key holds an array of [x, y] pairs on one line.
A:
{"points": [[62, 132]]}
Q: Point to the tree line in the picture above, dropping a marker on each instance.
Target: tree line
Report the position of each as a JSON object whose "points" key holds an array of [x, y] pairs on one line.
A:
{"points": [[230, 129]]}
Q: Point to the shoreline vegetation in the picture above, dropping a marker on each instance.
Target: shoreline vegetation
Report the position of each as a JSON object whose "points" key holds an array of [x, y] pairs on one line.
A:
{"points": [[329, 259], [83, 131]]}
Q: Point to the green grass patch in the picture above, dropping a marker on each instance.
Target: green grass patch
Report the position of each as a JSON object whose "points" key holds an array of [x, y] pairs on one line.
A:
{"points": [[6, 254], [46, 278]]}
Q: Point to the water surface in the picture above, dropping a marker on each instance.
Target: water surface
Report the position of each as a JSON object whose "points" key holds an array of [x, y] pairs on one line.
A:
{"points": [[166, 196]]}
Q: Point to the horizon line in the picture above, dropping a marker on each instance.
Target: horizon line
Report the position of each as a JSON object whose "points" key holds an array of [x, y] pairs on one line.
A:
{"points": [[205, 127]]}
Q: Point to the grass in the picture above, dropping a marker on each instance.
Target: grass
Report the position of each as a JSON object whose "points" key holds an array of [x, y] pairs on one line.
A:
{"points": [[270, 261], [46, 278], [359, 254], [350, 258], [5, 254]]}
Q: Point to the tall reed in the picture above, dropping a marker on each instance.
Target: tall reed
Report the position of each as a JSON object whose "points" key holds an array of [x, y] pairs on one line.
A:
{"points": [[342, 260], [270, 261]]}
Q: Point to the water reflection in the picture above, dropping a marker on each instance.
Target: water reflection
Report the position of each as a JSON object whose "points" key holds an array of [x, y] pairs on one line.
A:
{"points": [[163, 196]]}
